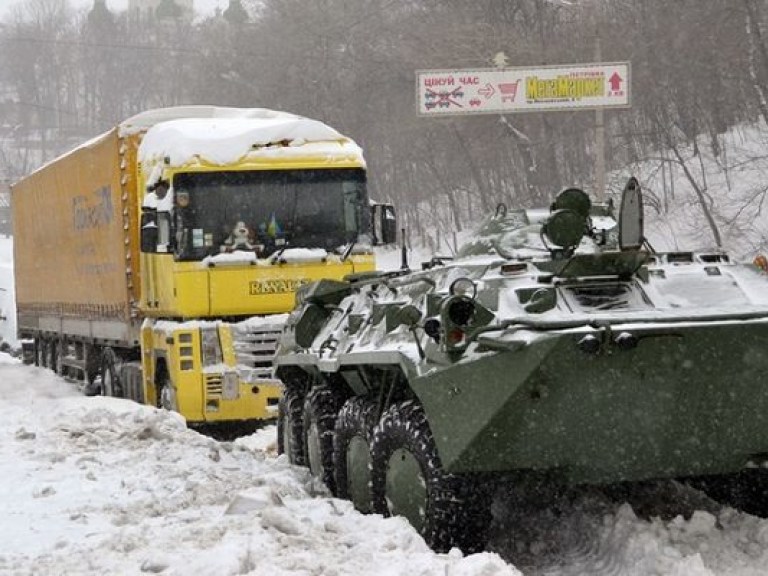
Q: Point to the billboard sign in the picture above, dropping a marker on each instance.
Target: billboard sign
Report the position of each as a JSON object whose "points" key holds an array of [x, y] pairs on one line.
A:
{"points": [[529, 89]]}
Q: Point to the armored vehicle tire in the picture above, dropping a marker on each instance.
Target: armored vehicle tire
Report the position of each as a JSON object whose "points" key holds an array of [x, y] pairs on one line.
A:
{"points": [[289, 427], [351, 451], [320, 409], [110, 376], [407, 479]]}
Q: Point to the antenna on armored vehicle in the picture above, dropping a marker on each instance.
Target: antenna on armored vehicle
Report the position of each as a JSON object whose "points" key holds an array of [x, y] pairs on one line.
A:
{"points": [[403, 253]]}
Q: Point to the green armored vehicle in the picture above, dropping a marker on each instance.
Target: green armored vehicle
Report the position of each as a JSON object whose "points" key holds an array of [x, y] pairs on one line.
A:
{"points": [[556, 345]]}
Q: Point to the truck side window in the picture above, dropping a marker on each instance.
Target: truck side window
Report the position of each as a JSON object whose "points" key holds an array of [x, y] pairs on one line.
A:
{"points": [[164, 232]]}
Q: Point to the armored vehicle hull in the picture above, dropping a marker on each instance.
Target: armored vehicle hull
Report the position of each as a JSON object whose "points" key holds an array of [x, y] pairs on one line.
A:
{"points": [[556, 345]]}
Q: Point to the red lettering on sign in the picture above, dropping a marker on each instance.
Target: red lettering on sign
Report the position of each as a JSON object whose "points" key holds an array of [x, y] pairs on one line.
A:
{"points": [[474, 80], [449, 81]]}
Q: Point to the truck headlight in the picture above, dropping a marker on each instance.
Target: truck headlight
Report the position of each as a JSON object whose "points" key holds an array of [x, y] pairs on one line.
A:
{"points": [[230, 386], [211, 346]]}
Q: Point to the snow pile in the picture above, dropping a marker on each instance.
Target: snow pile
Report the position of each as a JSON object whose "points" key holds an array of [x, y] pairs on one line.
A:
{"points": [[106, 486]]}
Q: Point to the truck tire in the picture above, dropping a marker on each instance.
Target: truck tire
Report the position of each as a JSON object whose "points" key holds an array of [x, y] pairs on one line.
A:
{"points": [[290, 433], [320, 409], [351, 451], [166, 393], [407, 479], [110, 374]]}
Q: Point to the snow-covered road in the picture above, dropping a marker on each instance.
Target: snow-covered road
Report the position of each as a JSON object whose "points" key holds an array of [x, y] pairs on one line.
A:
{"points": [[105, 486]]}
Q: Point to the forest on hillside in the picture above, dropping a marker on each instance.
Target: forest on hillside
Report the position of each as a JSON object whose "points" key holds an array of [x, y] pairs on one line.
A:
{"points": [[699, 69]]}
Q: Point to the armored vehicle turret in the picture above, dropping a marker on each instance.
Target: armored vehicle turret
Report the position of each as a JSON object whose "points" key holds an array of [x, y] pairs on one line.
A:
{"points": [[556, 344]]}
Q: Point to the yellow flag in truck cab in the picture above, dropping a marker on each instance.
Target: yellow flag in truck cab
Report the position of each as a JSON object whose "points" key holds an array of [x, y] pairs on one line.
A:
{"points": [[273, 228]]}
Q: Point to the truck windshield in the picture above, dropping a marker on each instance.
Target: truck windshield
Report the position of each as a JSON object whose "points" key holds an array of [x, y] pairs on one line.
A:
{"points": [[265, 211]]}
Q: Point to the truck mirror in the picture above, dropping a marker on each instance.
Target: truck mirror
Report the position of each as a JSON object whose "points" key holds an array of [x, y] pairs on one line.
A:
{"points": [[384, 224], [149, 232]]}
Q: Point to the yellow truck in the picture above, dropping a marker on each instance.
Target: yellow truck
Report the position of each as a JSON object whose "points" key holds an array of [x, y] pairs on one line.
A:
{"points": [[154, 261]]}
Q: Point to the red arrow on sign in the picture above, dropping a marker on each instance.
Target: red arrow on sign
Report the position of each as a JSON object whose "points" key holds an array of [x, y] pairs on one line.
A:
{"points": [[488, 91], [615, 81]]}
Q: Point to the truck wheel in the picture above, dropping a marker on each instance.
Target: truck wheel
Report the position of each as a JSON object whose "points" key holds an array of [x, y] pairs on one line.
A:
{"points": [[320, 409], [407, 479], [351, 451], [166, 393], [289, 426], [110, 376]]}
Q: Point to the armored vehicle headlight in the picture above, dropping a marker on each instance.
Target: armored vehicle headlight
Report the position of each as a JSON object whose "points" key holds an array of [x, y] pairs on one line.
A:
{"points": [[626, 341], [463, 287], [589, 344]]}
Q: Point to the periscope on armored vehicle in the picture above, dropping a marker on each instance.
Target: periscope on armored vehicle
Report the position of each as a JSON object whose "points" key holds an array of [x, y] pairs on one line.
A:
{"points": [[556, 345]]}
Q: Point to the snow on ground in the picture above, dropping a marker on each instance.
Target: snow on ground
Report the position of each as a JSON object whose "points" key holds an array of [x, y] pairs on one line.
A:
{"points": [[106, 486]]}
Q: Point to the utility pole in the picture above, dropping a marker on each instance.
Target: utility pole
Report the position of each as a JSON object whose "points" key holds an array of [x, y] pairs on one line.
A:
{"points": [[599, 136]]}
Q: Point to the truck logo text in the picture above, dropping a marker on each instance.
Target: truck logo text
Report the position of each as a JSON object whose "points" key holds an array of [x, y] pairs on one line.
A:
{"points": [[92, 211], [259, 287]]}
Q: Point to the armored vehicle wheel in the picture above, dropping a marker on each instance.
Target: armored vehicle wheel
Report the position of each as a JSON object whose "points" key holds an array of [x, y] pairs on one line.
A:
{"points": [[320, 409], [289, 427], [407, 479], [351, 451], [110, 378]]}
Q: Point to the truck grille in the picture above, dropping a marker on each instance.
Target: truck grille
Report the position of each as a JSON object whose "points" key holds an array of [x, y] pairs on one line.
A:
{"points": [[256, 346]]}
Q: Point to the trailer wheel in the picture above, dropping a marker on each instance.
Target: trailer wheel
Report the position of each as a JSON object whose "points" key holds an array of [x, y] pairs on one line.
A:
{"points": [[110, 375], [351, 451], [407, 479], [41, 352], [320, 409], [54, 351], [92, 368], [289, 426]]}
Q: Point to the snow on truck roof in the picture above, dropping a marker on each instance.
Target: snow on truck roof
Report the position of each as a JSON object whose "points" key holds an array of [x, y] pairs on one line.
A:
{"points": [[217, 135], [222, 135]]}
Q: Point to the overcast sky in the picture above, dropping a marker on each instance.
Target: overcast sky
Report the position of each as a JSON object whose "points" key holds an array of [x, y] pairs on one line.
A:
{"points": [[204, 7]]}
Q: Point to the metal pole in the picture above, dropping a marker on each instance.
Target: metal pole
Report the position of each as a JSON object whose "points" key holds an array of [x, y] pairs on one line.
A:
{"points": [[599, 138]]}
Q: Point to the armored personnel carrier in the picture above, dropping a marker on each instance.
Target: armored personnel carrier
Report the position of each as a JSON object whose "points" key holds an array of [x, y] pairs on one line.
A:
{"points": [[556, 345]]}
